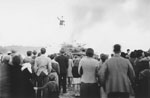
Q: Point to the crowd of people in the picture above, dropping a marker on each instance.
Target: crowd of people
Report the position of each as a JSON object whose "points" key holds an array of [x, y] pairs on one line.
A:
{"points": [[38, 75]]}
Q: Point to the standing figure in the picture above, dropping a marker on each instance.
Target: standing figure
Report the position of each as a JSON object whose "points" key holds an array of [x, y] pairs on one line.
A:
{"points": [[61, 21], [42, 67], [69, 73], [89, 86], [21, 86], [140, 65], [117, 75], [76, 76], [63, 64]]}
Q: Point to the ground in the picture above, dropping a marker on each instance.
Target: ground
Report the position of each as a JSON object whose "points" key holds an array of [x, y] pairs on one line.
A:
{"points": [[69, 94]]}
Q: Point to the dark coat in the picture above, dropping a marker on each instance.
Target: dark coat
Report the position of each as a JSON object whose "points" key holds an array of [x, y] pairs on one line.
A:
{"points": [[21, 85], [5, 83], [144, 84], [139, 67], [63, 63]]}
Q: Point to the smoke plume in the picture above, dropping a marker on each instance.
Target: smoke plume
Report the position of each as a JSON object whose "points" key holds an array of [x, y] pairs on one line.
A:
{"points": [[109, 19]]}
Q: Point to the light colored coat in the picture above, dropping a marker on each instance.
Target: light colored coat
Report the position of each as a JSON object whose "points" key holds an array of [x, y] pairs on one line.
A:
{"points": [[42, 64], [118, 74], [70, 65], [89, 66]]}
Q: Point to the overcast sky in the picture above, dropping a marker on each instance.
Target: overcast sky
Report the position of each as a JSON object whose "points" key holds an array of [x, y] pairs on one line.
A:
{"points": [[98, 23]]}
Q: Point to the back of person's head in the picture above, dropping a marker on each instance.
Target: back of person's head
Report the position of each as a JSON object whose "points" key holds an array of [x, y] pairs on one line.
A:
{"points": [[112, 55], [6, 59], [43, 50], [16, 60], [128, 50], [62, 51], [34, 52], [139, 53], [89, 52], [29, 53], [146, 54], [52, 77], [13, 51], [103, 57], [52, 56], [75, 56], [39, 54], [132, 54], [123, 54], [117, 48]]}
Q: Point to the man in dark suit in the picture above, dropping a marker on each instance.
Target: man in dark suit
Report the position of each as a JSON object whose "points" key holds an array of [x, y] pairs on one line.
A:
{"points": [[63, 63]]}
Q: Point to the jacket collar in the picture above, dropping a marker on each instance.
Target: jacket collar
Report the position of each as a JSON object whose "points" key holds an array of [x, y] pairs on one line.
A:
{"points": [[117, 55]]}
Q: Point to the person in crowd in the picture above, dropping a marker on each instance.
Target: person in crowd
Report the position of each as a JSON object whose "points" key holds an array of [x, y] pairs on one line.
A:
{"points": [[52, 86], [21, 86], [34, 77], [69, 73], [140, 62], [132, 58], [55, 68], [89, 86], [28, 61], [144, 78], [124, 55], [140, 65], [103, 58], [112, 55], [42, 67], [42, 64], [128, 53], [55, 65], [117, 75], [39, 54], [34, 54], [1, 57], [76, 76], [12, 53], [63, 64], [28, 58], [5, 77]]}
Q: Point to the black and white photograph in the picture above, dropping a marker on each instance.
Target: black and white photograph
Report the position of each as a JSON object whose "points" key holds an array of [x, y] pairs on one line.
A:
{"points": [[74, 48]]}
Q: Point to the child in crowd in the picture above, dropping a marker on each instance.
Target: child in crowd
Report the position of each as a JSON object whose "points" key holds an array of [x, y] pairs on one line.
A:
{"points": [[76, 76], [52, 87]]}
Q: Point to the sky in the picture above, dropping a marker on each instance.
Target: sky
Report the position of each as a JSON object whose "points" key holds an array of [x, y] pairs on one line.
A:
{"points": [[97, 23]]}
